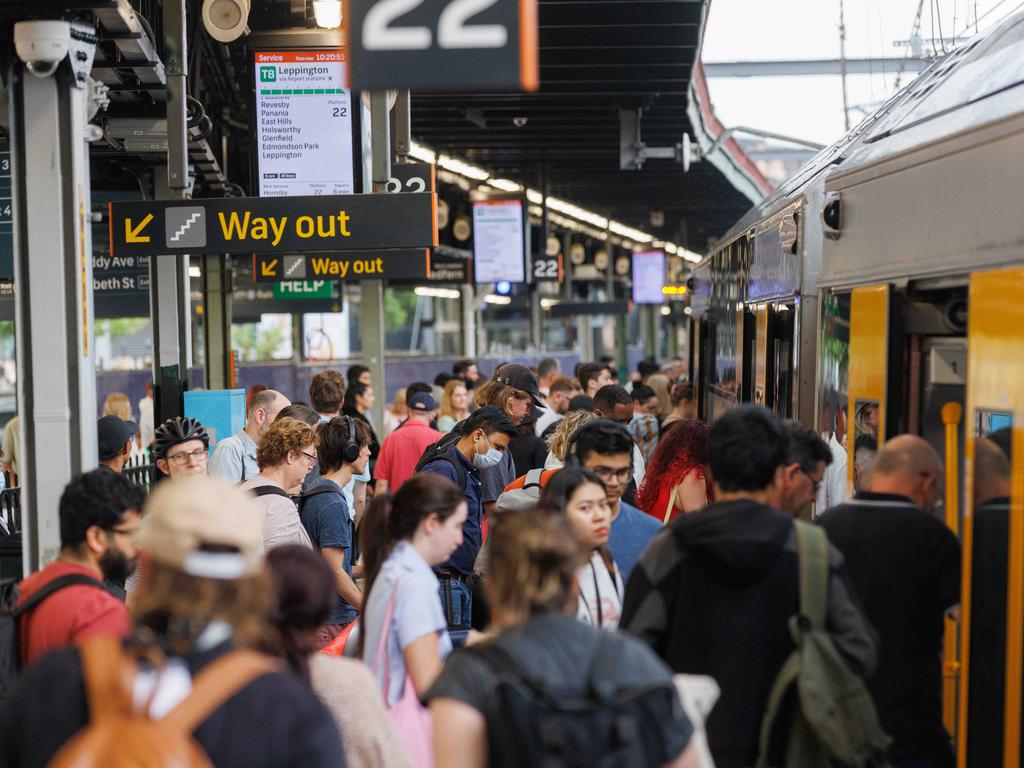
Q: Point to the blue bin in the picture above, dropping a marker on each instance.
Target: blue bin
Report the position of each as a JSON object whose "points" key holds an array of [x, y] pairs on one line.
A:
{"points": [[221, 411]]}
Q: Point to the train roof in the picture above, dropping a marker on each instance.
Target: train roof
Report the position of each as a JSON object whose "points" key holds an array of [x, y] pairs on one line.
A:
{"points": [[985, 74]]}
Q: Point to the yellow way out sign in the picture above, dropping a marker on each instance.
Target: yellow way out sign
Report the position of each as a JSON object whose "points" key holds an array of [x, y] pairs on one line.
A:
{"points": [[274, 225]]}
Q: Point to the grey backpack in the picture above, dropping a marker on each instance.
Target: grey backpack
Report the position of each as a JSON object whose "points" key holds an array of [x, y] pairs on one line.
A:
{"points": [[833, 722]]}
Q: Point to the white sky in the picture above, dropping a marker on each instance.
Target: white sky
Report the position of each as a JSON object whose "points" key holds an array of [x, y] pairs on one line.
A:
{"points": [[812, 107]]}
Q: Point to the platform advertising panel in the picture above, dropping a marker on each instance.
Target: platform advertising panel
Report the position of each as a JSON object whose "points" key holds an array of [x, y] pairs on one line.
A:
{"points": [[303, 123], [499, 241], [648, 277]]}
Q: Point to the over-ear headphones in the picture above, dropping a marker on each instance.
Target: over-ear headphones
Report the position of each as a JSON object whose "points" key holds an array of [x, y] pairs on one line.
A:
{"points": [[606, 426], [350, 451]]}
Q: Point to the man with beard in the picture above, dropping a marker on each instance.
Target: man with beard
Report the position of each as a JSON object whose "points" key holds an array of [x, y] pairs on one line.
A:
{"points": [[99, 519], [234, 458]]}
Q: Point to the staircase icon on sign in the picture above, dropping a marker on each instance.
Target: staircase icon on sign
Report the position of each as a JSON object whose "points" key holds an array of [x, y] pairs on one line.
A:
{"points": [[185, 227]]}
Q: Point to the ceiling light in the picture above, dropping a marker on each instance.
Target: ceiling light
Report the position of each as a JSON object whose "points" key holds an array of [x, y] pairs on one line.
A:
{"points": [[632, 234], [465, 169], [549, 303], [506, 185], [421, 153], [195, 272], [493, 298], [534, 197], [327, 13], [438, 293], [225, 20]]}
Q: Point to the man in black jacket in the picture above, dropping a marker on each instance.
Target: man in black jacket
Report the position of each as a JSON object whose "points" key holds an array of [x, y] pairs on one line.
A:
{"points": [[905, 566], [714, 591]]}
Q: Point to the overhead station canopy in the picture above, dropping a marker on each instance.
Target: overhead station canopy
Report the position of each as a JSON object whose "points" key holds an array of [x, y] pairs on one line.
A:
{"points": [[597, 58]]}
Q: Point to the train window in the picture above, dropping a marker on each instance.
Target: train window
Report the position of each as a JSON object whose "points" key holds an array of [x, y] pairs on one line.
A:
{"points": [[989, 569], [834, 367]]}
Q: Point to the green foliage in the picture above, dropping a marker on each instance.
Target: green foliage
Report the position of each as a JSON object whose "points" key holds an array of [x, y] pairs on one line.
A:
{"points": [[256, 342], [399, 308]]}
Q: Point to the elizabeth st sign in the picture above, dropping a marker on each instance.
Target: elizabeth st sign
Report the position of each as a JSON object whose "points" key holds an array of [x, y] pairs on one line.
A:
{"points": [[277, 225]]}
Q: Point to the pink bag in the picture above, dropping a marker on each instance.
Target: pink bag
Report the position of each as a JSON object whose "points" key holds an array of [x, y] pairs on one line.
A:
{"points": [[412, 719]]}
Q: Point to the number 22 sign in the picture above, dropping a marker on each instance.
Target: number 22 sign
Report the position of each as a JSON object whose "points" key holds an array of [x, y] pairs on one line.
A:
{"points": [[442, 45]]}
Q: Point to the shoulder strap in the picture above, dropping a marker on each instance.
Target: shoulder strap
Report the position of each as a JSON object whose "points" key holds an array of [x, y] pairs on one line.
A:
{"points": [[55, 586], [108, 673], [671, 505], [812, 551], [269, 490], [217, 683], [533, 478]]}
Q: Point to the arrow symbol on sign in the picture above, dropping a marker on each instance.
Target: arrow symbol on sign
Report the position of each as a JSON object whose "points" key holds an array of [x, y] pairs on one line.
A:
{"points": [[269, 268], [131, 234]]}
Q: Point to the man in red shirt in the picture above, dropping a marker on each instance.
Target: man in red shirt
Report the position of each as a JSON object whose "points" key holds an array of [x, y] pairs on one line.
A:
{"points": [[99, 518], [403, 448]]}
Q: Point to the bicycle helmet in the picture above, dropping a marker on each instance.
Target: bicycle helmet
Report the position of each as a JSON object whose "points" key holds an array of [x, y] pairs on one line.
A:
{"points": [[177, 431]]}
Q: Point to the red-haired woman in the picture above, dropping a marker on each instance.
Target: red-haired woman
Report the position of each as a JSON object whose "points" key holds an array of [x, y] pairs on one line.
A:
{"points": [[677, 479]]}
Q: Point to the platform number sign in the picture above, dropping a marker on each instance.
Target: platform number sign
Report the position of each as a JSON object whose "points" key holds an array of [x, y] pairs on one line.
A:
{"points": [[6, 213], [547, 269], [443, 45]]}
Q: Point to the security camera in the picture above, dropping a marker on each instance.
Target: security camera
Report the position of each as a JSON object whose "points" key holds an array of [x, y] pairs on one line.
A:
{"points": [[226, 20], [42, 45], [520, 122]]}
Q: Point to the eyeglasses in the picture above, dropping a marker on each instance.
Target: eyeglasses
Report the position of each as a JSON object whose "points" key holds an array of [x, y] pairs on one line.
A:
{"points": [[606, 474], [129, 532], [815, 484], [181, 459], [310, 457]]}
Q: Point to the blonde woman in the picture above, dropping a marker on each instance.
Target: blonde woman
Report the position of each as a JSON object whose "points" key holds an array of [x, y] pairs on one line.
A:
{"points": [[558, 445], [454, 405], [396, 414]]}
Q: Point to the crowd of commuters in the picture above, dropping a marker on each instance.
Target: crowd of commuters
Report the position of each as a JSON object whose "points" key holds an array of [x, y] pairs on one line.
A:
{"points": [[514, 542]]}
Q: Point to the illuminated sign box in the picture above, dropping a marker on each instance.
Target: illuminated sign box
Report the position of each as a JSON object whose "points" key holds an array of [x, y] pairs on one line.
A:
{"points": [[648, 277], [499, 241]]}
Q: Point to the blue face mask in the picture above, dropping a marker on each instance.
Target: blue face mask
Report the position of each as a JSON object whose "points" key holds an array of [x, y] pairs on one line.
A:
{"points": [[489, 459]]}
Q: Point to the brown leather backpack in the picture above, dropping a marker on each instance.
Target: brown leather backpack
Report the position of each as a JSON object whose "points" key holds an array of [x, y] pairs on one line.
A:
{"points": [[118, 737]]}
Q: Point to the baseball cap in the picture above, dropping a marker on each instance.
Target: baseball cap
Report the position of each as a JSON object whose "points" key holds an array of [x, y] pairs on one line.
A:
{"points": [[422, 402], [520, 377], [189, 522], [112, 433]]}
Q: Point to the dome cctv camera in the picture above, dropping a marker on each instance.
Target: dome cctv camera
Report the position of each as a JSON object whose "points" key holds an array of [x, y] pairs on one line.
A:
{"points": [[226, 20], [42, 45], [519, 122]]}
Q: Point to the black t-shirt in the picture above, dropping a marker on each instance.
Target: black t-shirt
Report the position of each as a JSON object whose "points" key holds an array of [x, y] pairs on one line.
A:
{"points": [[276, 721], [559, 649], [905, 568]]}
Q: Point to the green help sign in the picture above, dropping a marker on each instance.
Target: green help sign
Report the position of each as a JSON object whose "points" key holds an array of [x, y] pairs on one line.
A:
{"points": [[268, 74], [304, 289]]}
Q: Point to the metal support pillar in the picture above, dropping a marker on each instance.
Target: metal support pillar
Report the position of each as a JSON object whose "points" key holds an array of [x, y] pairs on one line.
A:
{"points": [[469, 325], [170, 311], [53, 300], [621, 321], [649, 317], [217, 320], [170, 305], [372, 330], [403, 126]]}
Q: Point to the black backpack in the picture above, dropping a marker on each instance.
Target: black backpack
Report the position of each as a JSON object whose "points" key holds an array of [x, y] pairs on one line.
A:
{"points": [[10, 653], [611, 727], [439, 452]]}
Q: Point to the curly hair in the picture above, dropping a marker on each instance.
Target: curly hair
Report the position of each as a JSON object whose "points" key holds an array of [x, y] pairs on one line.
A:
{"points": [[285, 436], [682, 448], [559, 441]]}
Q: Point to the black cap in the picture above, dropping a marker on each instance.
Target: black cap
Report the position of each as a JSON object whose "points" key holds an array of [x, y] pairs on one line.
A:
{"points": [[112, 433], [520, 377], [421, 402], [581, 403]]}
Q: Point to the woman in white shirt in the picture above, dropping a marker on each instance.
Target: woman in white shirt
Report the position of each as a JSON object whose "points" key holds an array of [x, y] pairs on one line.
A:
{"points": [[403, 633], [580, 494]]}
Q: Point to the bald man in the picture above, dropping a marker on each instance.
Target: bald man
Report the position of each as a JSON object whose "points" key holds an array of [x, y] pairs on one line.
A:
{"points": [[905, 567], [988, 600], [234, 458]]}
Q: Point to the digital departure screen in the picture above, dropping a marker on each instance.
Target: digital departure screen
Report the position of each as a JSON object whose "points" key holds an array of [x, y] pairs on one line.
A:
{"points": [[303, 124], [499, 241], [648, 277]]}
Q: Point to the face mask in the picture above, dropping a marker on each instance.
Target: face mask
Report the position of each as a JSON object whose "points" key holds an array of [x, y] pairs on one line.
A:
{"points": [[489, 459]]}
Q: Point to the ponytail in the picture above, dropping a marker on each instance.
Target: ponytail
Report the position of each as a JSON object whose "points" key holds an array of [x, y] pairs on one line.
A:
{"points": [[391, 519]]}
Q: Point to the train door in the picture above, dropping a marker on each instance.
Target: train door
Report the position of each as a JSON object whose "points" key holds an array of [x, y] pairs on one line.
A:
{"points": [[869, 371], [992, 595], [774, 350]]}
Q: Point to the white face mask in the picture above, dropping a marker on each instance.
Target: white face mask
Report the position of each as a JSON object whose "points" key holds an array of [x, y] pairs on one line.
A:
{"points": [[490, 459]]}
